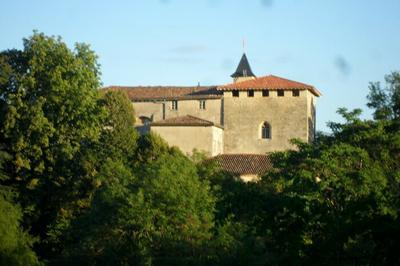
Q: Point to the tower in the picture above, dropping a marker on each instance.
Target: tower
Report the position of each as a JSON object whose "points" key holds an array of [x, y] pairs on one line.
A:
{"points": [[243, 71], [262, 114]]}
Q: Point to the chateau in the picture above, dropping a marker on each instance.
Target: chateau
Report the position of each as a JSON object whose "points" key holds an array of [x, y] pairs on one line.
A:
{"points": [[252, 115]]}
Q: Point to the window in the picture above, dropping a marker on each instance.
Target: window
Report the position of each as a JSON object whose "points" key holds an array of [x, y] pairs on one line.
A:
{"points": [[235, 93], [281, 93], [265, 93], [295, 93], [266, 130], [250, 93], [202, 104], [174, 105]]}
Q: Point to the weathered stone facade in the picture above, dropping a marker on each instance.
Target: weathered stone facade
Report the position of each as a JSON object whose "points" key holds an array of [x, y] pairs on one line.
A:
{"points": [[249, 116], [160, 110], [187, 138], [290, 117], [190, 133]]}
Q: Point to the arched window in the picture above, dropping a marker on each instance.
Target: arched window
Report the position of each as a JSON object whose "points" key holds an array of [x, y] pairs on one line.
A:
{"points": [[265, 130]]}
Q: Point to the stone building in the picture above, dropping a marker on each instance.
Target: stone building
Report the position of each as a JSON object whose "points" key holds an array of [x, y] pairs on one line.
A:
{"points": [[251, 115], [194, 133]]}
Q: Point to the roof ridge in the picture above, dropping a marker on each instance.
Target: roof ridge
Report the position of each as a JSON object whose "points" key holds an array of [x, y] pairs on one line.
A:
{"points": [[167, 92], [188, 120], [157, 86], [198, 118], [270, 82], [242, 154], [289, 80]]}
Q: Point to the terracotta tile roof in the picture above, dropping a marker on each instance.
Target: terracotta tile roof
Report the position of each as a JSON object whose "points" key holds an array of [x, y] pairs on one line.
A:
{"points": [[143, 93], [186, 120], [244, 163], [268, 83]]}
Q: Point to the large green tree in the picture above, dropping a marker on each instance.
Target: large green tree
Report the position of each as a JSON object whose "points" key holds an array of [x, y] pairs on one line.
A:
{"points": [[163, 215], [50, 115], [336, 201]]}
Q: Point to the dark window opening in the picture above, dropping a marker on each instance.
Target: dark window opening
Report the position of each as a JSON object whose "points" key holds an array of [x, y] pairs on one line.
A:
{"points": [[281, 93], [235, 93], [265, 93], [202, 104], [174, 105], [266, 131], [295, 93], [250, 93]]}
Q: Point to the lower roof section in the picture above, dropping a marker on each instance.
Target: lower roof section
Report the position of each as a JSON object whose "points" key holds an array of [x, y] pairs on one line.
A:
{"points": [[186, 121], [244, 164]]}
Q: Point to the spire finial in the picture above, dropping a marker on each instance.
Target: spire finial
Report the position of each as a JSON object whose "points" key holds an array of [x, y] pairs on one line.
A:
{"points": [[243, 45]]}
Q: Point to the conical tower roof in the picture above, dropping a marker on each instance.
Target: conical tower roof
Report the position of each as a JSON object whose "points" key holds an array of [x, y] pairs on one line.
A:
{"points": [[243, 69]]}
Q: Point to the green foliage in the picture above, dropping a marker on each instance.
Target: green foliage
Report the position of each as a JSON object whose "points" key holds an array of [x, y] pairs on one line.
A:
{"points": [[77, 175], [164, 216], [119, 137], [16, 244], [237, 243], [336, 201], [385, 102], [51, 115], [150, 147]]}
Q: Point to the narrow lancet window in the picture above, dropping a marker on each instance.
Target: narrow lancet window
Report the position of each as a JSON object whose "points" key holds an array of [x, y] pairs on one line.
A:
{"points": [[174, 105], [202, 104], [266, 130]]}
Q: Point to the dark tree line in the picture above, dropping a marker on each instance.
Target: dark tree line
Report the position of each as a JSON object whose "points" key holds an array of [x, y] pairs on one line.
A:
{"points": [[79, 186]]}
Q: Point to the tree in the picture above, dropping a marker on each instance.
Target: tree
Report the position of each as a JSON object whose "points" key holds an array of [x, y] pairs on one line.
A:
{"points": [[16, 244], [162, 215], [336, 201], [119, 136], [49, 95], [385, 102]]}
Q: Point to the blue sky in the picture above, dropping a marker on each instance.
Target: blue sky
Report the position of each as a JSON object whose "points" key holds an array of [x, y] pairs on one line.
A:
{"points": [[337, 46]]}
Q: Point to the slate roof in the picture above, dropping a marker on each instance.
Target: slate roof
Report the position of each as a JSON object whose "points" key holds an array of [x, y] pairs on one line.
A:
{"points": [[186, 120], [243, 69], [268, 83], [143, 93], [242, 164]]}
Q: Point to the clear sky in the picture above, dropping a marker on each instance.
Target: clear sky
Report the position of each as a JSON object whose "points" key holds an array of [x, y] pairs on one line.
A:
{"points": [[337, 46]]}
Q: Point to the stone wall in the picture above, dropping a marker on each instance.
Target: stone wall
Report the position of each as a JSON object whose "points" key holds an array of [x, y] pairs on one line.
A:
{"points": [[244, 116], [311, 114], [250, 178], [208, 139], [218, 141], [154, 110]]}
